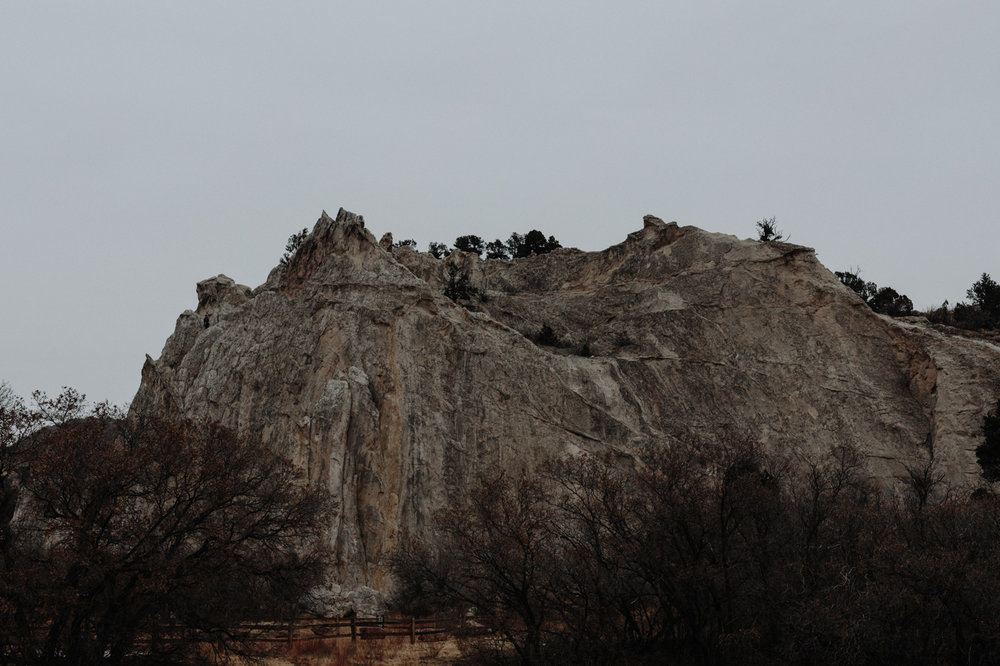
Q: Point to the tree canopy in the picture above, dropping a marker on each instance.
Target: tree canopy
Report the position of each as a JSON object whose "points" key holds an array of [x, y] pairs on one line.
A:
{"points": [[122, 535], [885, 300]]}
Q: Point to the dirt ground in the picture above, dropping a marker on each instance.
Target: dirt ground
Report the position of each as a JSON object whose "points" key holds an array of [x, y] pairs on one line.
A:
{"points": [[389, 651]]}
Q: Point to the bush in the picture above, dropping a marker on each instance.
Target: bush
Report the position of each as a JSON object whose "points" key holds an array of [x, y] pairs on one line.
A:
{"points": [[767, 231], [459, 287], [546, 336], [939, 315]]}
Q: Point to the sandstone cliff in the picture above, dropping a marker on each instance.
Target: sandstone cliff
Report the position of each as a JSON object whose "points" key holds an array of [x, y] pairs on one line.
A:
{"points": [[354, 362]]}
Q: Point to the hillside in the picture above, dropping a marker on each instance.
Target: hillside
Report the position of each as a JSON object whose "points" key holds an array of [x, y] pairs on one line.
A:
{"points": [[354, 362]]}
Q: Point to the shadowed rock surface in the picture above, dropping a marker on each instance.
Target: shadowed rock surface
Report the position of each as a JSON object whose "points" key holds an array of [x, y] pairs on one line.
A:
{"points": [[354, 362]]}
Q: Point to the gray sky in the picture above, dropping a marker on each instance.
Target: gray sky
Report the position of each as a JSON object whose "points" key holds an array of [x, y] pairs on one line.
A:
{"points": [[146, 146]]}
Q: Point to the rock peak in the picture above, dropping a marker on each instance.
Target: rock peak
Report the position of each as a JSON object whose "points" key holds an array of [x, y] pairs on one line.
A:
{"points": [[651, 221]]}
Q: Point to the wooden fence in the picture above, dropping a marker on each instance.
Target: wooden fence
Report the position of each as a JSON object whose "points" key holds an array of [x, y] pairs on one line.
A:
{"points": [[303, 629]]}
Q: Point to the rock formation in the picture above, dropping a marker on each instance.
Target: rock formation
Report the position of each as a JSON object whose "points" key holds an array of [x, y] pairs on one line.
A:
{"points": [[353, 361]]}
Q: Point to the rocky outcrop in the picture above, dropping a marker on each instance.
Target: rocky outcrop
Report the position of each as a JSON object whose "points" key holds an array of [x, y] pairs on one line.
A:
{"points": [[352, 360]]}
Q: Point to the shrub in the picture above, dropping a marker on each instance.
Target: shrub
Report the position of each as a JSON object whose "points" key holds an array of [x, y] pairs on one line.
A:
{"points": [[767, 231], [547, 336], [459, 287], [940, 315], [972, 317], [295, 241]]}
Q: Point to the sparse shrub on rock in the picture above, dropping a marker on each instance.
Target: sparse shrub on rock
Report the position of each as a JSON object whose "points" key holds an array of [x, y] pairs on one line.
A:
{"points": [[939, 315], [546, 336], [767, 231], [292, 246], [459, 287]]}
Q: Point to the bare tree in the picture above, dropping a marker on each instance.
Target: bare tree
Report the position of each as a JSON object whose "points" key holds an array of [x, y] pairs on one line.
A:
{"points": [[132, 533], [495, 554]]}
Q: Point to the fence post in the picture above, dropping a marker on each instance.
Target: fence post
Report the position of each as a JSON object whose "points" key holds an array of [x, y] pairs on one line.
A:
{"points": [[354, 629], [291, 629], [413, 630]]}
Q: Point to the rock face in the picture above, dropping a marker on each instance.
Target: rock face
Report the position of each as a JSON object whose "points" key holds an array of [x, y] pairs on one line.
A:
{"points": [[354, 362]]}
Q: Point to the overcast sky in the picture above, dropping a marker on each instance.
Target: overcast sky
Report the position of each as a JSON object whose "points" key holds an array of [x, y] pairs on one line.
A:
{"points": [[146, 146]]}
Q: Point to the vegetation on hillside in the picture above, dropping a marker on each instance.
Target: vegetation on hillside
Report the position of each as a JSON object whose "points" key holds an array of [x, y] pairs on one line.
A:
{"points": [[982, 313], [885, 300], [295, 241], [767, 231], [516, 247]]}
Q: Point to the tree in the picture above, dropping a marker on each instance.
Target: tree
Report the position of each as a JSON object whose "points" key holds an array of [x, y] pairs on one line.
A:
{"points": [[459, 287], [493, 553], [295, 241], [884, 301], [853, 280], [534, 242], [473, 244], [887, 301], [147, 535], [988, 453], [985, 293], [767, 231], [514, 245], [438, 250], [408, 242], [497, 249], [984, 311]]}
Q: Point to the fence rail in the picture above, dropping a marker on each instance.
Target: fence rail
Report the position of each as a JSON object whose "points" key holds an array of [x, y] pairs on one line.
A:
{"points": [[302, 629]]}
